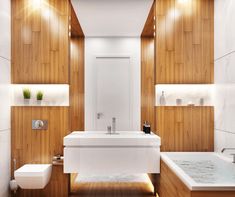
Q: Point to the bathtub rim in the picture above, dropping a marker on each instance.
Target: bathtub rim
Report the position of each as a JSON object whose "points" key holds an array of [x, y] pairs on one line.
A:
{"points": [[188, 181]]}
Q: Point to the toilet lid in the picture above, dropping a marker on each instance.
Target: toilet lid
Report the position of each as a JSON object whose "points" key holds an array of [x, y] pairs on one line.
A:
{"points": [[32, 170]]}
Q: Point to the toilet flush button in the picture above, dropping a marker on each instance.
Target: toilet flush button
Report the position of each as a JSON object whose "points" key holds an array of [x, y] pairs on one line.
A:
{"points": [[39, 124]]}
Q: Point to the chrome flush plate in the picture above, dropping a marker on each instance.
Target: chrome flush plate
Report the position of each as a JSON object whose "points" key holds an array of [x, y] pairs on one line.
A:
{"points": [[39, 124]]}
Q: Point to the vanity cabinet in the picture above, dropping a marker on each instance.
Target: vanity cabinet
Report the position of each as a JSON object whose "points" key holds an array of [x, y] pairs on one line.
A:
{"points": [[40, 42]]}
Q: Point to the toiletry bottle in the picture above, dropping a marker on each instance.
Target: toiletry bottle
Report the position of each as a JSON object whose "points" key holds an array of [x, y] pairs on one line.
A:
{"points": [[162, 99], [145, 122], [147, 128]]}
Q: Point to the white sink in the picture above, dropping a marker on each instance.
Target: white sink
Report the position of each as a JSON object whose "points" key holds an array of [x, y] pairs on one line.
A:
{"points": [[96, 152], [121, 138]]}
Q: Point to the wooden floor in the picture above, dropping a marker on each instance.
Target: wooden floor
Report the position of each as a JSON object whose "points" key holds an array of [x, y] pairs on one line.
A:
{"points": [[112, 189]]}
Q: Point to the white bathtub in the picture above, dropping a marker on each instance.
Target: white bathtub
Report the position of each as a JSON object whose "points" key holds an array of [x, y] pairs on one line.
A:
{"points": [[202, 171]]}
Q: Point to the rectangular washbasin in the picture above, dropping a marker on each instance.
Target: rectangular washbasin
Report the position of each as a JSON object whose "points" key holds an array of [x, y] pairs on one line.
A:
{"points": [[102, 138], [96, 152]]}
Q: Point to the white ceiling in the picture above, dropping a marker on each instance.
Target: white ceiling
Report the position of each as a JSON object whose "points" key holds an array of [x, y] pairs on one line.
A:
{"points": [[112, 17]]}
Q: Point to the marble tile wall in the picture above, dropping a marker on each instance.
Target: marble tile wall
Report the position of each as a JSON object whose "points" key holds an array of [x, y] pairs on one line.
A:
{"points": [[224, 74], [5, 97]]}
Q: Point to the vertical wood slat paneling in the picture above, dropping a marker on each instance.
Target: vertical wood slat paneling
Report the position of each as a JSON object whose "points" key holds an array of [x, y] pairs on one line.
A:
{"points": [[77, 84], [170, 185], [40, 41], [76, 29], [185, 128], [184, 41], [147, 81], [148, 30], [31, 146]]}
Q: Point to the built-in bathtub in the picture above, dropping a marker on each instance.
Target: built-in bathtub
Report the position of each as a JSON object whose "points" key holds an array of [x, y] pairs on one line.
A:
{"points": [[204, 174], [202, 171]]}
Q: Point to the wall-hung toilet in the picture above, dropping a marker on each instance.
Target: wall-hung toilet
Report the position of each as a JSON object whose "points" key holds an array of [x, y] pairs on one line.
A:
{"points": [[33, 176]]}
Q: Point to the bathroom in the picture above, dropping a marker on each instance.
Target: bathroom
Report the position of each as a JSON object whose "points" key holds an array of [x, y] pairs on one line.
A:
{"points": [[117, 98]]}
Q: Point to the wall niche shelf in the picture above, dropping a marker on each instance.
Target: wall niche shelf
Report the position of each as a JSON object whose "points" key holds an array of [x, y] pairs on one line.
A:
{"points": [[188, 93], [53, 95]]}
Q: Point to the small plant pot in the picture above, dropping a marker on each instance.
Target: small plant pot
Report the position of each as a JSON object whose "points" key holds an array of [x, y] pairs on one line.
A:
{"points": [[39, 102], [26, 101]]}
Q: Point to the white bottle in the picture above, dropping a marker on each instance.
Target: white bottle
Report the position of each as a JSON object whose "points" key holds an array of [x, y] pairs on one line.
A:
{"points": [[162, 99]]}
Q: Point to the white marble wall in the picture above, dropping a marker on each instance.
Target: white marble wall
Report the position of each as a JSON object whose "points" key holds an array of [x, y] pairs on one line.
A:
{"points": [[5, 97], [224, 74]]}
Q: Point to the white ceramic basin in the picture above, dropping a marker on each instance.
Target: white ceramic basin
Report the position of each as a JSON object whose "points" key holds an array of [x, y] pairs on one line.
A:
{"points": [[121, 138], [96, 152]]}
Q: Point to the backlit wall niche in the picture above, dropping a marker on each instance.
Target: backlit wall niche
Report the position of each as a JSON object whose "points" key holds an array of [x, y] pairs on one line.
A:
{"points": [[190, 94], [53, 95]]}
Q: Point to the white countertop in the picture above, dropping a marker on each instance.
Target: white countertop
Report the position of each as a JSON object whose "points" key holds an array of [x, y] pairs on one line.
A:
{"points": [[102, 138]]}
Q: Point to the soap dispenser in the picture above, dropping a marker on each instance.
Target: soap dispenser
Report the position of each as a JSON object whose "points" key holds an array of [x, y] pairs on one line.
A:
{"points": [[162, 99], [146, 127]]}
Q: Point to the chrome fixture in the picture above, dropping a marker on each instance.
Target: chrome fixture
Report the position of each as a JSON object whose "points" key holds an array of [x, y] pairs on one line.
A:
{"points": [[99, 115], [39, 124], [113, 124], [109, 130], [58, 160], [224, 149], [233, 154]]}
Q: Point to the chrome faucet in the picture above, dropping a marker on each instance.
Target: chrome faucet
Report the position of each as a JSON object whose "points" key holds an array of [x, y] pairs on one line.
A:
{"points": [[109, 130], [224, 149], [113, 124], [233, 154]]}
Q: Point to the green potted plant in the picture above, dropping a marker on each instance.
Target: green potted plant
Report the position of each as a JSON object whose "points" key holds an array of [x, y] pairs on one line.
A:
{"points": [[26, 95], [39, 97]]}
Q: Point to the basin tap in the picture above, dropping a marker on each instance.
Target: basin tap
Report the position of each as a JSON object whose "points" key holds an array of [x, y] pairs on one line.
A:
{"points": [[113, 124], [109, 129]]}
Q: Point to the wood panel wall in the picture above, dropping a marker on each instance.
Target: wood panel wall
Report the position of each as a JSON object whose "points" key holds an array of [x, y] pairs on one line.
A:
{"points": [[76, 29], [148, 30], [31, 146], [185, 128], [148, 70], [40, 41], [170, 185], [184, 41], [77, 84], [147, 81]]}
